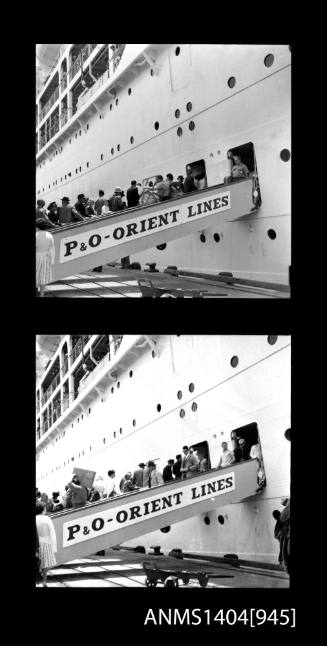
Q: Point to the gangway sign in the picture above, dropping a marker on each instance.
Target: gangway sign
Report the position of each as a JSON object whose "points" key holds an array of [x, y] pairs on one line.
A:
{"points": [[84, 531], [99, 240]]}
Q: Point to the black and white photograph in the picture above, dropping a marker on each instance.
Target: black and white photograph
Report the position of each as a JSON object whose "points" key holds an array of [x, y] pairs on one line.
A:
{"points": [[163, 461], [206, 128]]}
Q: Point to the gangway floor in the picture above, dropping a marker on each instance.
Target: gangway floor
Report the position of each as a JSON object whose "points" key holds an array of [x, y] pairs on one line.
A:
{"points": [[124, 569], [114, 282]]}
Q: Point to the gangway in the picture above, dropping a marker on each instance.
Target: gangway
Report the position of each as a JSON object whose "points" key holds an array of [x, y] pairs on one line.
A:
{"points": [[111, 521], [101, 239]]}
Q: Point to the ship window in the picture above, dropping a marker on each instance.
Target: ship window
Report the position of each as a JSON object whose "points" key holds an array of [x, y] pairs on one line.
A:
{"points": [[129, 91], [112, 389], [179, 131], [206, 520], [194, 407], [249, 433], [134, 422], [162, 246], [234, 362], [231, 82], [118, 384], [117, 101], [87, 164], [216, 237], [271, 233], [285, 154], [272, 339], [118, 147], [191, 125], [246, 154], [153, 354], [189, 106], [112, 151], [132, 140], [121, 431], [177, 113], [114, 433], [202, 237], [104, 440], [268, 60], [165, 530], [179, 394], [87, 126], [221, 519], [110, 107], [151, 72], [182, 412], [101, 157], [89, 411], [80, 132], [156, 125], [158, 408], [131, 373], [177, 51]]}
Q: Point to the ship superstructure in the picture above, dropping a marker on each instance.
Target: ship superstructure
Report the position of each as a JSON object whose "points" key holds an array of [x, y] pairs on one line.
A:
{"points": [[108, 114], [109, 402]]}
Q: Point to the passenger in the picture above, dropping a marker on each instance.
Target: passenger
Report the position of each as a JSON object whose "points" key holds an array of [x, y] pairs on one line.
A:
{"points": [[242, 451], [41, 212], [80, 205], [79, 493], [167, 473], [53, 213], [189, 463], [154, 476], [95, 495], [133, 197], [227, 457], [47, 541], [200, 181], [57, 502], [146, 475], [124, 205], [162, 189], [67, 498], [45, 255], [48, 503], [148, 195], [111, 485], [89, 207], [68, 214], [180, 180], [173, 186], [282, 534], [105, 207], [239, 169], [177, 467], [115, 201], [128, 484], [138, 476], [99, 203], [189, 186], [98, 485], [203, 465]]}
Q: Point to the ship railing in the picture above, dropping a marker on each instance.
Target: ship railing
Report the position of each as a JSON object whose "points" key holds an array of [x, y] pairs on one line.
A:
{"points": [[81, 58], [50, 103], [65, 403], [83, 99], [64, 368], [94, 372], [63, 82], [63, 118], [78, 347]]}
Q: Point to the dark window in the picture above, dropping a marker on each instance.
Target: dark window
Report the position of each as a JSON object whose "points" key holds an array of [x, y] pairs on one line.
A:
{"points": [[151, 72], [177, 51], [112, 389], [179, 131], [182, 412], [114, 433], [221, 519], [191, 388], [165, 530], [179, 394], [191, 125], [162, 246], [87, 164], [80, 132], [268, 60], [272, 339], [89, 411], [112, 151], [129, 91], [87, 126], [197, 168], [234, 362], [156, 125], [189, 106], [118, 147], [206, 520], [177, 113], [271, 233], [110, 107], [285, 154], [134, 422], [246, 154], [202, 237], [132, 140], [131, 373], [194, 407], [231, 82], [153, 354], [216, 237], [102, 157], [116, 101], [104, 440], [121, 431], [159, 408]]}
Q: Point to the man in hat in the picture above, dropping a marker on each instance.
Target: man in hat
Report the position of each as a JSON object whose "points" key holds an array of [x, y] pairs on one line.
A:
{"points": [[66, 213], [167, 473], [115, 201], [138, 476], [80, 205]]}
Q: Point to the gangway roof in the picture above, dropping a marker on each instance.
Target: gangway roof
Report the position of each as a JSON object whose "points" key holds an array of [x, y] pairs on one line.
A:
{"points": [[97, 526], [102, 239]]}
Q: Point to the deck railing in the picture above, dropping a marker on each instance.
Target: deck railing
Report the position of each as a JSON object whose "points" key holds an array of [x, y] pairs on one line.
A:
{"points": [[50, 103], [81, 58]]}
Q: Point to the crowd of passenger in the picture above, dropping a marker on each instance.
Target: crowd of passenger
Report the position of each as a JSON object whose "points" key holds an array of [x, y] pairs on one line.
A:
{"points": [[152, 192]]}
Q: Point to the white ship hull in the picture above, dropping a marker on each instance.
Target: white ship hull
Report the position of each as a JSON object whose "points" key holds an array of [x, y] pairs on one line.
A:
{"points": [[256, 109], [119, 426]]}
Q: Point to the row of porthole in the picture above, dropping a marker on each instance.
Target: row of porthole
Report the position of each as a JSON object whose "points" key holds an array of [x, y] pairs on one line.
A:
{"points": [[206, 520], [268, 62], [271, 233]]}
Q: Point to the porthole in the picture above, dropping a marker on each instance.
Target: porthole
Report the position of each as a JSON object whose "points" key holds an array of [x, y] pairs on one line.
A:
{"points": [[156, 125], [221, 519], [271, 233], [153, 354], [75, 135], [179, 394], [216, 237], [118, 147], [191, 388], [231, 82], [194, 407], [132, 140], [162, 246], [177, 113], [70, 141], [285, 155], [182, 412], [272, 339], [165, 530], [82, 417], [78, 420], [131, 373], [158, 408], [112, 151], [177, 51], [118, 384], [104, 440], [116, 101], [206, 520], [114, 433], [80, 132], [112, 389], [87, 164], [234, 361], [268, 60], [89, 411], [87, 126], [110, 107], [90, 448], [202, 237], [129, 91], [179, 131], [191, 125], [151, 72], [189, 106], [101, 157], [134, 422], [121, 431]]}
